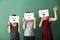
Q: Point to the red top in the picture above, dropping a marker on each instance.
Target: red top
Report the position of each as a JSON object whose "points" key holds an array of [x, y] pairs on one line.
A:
{"points": [[46, 31], [46, 25]]}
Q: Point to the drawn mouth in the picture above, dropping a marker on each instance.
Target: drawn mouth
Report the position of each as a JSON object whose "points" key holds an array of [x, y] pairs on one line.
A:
{"points": [[28, 17], [43, 14], [13, 20]]}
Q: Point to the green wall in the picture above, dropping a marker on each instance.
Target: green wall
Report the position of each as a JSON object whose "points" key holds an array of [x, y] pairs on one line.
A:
{"points": [[9, 7]]}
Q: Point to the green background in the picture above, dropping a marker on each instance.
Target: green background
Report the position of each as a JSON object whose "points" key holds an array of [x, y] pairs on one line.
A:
{"points": [[19, 7]]}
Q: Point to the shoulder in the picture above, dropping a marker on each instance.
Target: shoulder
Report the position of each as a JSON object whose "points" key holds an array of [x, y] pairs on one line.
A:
{"points": [[50, 19]]}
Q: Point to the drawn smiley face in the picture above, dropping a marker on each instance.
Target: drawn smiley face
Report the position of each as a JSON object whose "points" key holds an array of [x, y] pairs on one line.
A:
{"points": [[43, 13], [14, 19], [28, 16]]}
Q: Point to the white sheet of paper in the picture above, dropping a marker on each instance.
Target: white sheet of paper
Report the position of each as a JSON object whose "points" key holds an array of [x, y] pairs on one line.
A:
{"points": [[41, 12], [14, 18], [29, 16]]}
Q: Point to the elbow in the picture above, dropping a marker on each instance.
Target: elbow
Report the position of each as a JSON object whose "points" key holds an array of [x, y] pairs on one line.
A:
{"points": [[34, 27], [40, 25], [19, 30], [9, 31], [56, 19], [23, 28]]}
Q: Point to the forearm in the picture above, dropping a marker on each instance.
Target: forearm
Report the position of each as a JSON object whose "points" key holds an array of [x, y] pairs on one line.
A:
{"points": [[9, 29], [40, 23], [24, 26], [19, 29], [55, 15], [18, 26], [34, 24]]}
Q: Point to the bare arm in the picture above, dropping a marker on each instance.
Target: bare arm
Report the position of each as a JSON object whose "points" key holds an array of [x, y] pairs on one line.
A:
{"points": [[55, 14], [19, 27], [9, 27], [40, 24], [24, 26], [34, 23]]}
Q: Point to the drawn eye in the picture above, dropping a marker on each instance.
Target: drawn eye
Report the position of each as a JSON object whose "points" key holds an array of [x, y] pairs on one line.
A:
{"points": [[27, 15], [15, 18], [44, 12], [30, 15], [12, 18]]}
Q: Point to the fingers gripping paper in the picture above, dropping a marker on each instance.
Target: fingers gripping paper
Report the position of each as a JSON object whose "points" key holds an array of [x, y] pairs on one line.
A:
{"points": [[14, 18], [29, 16], [43, 13]]}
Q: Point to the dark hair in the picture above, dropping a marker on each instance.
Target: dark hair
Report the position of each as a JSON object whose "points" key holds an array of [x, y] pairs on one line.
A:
{"points": [[27, 12], [13, 14]]}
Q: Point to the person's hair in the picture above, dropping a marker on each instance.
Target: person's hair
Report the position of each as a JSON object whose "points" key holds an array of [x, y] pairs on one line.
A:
{"points": [[27, 12], [13, 14]]}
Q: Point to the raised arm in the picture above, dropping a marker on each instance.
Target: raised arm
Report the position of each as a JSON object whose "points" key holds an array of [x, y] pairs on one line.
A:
{"points": [[55, 14], [34, 23], [24, 24], [9, 27], [19, 27], [40, 24]]}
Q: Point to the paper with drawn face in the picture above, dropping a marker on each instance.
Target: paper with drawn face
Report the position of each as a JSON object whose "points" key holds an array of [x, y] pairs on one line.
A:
{"points": [[43, 13], [14, 18], [29, 16]]}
